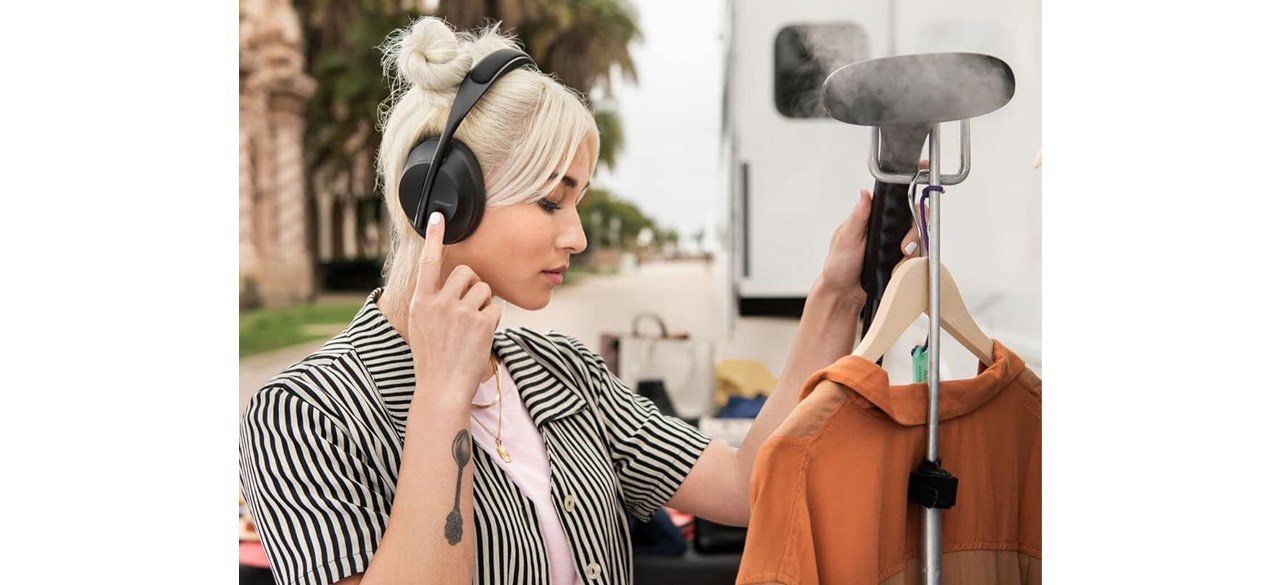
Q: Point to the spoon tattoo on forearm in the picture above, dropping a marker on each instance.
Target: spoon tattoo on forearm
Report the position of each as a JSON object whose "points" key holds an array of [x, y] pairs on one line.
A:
{"points": [[461, 454]]}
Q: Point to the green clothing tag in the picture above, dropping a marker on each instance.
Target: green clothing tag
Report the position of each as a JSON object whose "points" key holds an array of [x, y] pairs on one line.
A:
{"points": [[920, 363]]}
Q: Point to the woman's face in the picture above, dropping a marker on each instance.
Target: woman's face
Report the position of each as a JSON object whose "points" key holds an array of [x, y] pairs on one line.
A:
{"points": [[522, 250]]}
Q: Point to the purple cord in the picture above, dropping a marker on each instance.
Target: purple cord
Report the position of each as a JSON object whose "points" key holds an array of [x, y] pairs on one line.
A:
{"points": [[924, 217], [924, 222]]}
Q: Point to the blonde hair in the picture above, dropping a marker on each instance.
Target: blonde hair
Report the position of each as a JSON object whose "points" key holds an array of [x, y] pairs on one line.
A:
{"points": [[524, 131]]}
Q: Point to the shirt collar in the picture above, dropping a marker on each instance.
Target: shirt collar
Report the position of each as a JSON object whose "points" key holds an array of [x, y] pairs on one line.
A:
{"points": [[907, 404], [541, 378]]}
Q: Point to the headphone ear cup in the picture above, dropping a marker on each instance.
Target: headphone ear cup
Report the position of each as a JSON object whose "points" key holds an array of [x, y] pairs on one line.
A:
{"points": [[458, 191], [462, 184], [413, 181]]}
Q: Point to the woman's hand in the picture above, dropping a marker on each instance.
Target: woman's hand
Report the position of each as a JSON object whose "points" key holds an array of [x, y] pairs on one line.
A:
{"points": [[842, 270], [451, 323], [450, 332]]}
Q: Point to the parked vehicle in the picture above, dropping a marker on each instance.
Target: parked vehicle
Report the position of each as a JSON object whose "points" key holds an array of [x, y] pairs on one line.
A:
{"points": [[794, 173]]}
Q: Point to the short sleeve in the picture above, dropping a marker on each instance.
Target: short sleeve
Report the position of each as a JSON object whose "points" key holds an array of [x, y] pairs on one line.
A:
{"points": [[319, 509], [779, 548], [652, 453]]}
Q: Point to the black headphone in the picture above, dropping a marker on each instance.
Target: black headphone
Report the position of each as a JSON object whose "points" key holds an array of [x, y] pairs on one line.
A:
{"points": [[442, 174]]}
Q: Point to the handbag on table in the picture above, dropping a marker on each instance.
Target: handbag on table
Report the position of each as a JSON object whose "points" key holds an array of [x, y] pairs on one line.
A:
{"points": [[675, 371]]}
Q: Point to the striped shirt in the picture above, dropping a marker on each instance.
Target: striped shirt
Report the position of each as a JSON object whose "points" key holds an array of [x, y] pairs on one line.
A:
{"points": [[320, 448]]}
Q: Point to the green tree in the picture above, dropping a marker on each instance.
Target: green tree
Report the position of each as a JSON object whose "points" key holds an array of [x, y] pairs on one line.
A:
{"points": [[611, 138], [598, 211], [341, 38], [579, 41]]}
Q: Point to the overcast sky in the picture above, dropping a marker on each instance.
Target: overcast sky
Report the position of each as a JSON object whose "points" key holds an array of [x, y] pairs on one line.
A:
{"points": [[671, 119]]}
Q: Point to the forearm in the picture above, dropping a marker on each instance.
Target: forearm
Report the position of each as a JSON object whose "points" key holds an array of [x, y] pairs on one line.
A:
{"points": [[420, 544], [827, 332]]}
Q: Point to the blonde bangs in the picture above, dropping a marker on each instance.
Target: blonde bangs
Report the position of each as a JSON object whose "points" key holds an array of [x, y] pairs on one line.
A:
{"points": [[553, 134]]}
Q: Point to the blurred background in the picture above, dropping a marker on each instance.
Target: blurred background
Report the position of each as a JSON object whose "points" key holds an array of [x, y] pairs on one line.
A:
{"points": [[312, 220], [714, 147], [721, 178]]}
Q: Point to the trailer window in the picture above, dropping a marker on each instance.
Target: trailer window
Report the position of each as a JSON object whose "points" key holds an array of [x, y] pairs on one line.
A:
{"points": [[804, 55]]}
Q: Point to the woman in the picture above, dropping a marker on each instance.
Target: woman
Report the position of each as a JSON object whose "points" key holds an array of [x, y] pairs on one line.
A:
{"points": [[358, 462]]}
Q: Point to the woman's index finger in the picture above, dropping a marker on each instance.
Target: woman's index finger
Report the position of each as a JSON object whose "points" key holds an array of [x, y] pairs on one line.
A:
{"points": [[432, 251]]}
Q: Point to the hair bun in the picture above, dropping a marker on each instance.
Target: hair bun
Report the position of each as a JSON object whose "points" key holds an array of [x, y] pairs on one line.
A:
{"points": [[430, 56]]}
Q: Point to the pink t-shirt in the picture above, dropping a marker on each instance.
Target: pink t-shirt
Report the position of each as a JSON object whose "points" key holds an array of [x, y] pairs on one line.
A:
{"points": [[529, 468]]}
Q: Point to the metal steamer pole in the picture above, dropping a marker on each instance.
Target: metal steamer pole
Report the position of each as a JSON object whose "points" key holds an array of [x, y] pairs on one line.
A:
{"points": [[931, 525], [931, 516], [909, 97]]}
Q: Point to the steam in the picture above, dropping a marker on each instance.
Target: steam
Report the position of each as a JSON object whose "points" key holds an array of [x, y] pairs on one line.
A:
{"points": [[807, 54]]}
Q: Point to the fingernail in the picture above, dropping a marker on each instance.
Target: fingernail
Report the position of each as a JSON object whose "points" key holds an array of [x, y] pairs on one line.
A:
{"points": [[911, 248], [435, 218]]}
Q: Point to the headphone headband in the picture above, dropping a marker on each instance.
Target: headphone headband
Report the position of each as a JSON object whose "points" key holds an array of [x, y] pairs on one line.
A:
{"points": [[473, 86]]}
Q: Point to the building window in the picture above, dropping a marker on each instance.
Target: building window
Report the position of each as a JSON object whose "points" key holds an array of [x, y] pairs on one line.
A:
{"points": [[804, 55]]}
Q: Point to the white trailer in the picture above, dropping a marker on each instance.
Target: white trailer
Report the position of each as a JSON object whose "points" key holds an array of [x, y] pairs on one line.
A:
{"points": [[793, 173]]}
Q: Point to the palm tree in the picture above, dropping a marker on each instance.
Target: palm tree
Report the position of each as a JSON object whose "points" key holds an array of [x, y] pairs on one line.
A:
{"points": [[611, 138], [469, 14], [342, 137], [583, 40], [579, 41]]}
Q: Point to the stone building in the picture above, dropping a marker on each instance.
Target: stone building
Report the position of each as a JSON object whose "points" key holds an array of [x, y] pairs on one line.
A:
{"points": [[277, 266]]}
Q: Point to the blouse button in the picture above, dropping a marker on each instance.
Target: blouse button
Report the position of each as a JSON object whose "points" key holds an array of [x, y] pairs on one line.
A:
{"points": [[570, 502], [593, 571]]}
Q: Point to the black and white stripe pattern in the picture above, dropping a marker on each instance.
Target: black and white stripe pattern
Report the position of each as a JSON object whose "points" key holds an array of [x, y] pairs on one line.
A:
{"points": [[320, 449]]}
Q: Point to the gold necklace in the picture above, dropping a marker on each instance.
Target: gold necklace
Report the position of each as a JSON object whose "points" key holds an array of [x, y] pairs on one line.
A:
{"points": [[493, 361], [497, 438]]}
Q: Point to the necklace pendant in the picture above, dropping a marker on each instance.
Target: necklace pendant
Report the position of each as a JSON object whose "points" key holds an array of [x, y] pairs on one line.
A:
{"points": [[502, 452]]}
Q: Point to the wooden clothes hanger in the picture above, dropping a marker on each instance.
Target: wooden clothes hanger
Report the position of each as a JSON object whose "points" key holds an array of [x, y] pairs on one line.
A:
{"points": [[906, 298]]}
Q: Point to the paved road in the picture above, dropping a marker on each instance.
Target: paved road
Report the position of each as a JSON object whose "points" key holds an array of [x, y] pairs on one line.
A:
{"points": [[683, 293], [687, 297]]}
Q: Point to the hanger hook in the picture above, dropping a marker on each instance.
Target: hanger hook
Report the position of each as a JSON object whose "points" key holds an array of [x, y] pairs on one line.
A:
{"points": [[917, 215]]}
